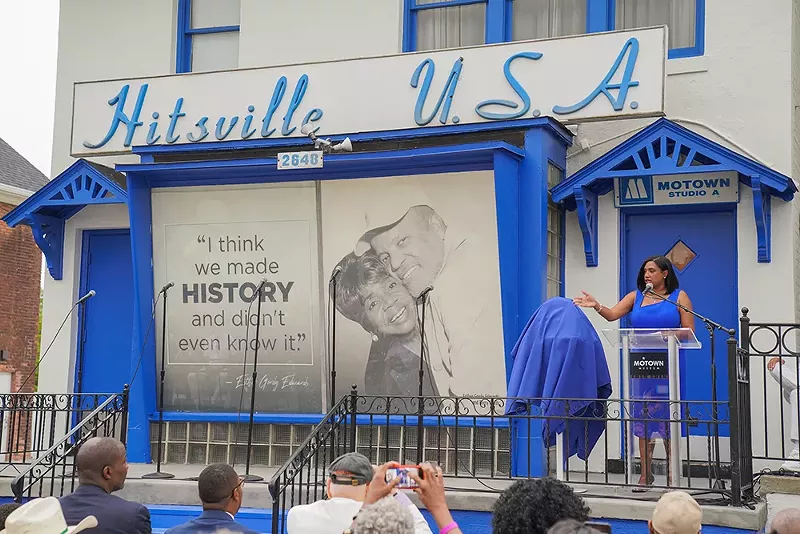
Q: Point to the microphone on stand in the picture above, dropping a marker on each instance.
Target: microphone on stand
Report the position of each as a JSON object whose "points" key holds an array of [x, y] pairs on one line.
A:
{"points": [[332, 331], [81, 300], [648, 288], [423, 296], [167, 287]]}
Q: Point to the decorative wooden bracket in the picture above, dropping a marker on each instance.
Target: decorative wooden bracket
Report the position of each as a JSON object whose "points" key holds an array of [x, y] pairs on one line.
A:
{"points": [[48, 232], [586, 202], [762, 208]]}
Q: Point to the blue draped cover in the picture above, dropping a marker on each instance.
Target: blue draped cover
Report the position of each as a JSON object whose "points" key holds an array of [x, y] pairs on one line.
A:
{"points": [[559, 356]]}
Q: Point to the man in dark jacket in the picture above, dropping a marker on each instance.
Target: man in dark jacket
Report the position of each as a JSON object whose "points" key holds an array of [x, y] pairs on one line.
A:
{"points": [[221, 493], [102, 469]]}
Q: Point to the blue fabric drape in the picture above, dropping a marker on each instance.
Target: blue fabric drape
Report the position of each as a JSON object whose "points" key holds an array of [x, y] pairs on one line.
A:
{"points": [[559, 356]]}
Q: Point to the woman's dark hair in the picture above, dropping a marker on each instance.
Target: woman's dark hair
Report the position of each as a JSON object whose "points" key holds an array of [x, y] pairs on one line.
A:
{"points": [[665, 265], [533, 506], [356, 272]]}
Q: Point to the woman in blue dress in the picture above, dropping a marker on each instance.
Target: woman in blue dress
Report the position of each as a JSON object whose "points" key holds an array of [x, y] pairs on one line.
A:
{"points": [[647, 311]]}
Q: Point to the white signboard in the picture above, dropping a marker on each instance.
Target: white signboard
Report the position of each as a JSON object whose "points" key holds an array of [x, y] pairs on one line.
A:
{"points": [[695, 188], [594, 76]]}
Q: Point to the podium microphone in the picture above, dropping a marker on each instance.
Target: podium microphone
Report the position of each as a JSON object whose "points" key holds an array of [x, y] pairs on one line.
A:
{"points": [[167, 287], [648, 288], [80, 301]]}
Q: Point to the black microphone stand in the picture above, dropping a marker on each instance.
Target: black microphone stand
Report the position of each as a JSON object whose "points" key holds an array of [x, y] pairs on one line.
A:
{"points": [[247, 476], [332, 319], [712, 327], [81, 348], [158, 473], [423, 297]]}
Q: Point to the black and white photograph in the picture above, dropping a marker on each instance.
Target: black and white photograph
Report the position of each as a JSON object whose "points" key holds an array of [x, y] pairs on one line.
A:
{"points": [[421, 241]]}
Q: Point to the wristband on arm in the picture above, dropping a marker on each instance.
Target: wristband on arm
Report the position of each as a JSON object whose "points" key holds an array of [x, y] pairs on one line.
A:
{"points": [[448, 528]]}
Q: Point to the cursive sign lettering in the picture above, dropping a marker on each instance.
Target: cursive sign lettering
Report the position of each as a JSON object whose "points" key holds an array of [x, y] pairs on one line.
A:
{"points": [[224, 126]]}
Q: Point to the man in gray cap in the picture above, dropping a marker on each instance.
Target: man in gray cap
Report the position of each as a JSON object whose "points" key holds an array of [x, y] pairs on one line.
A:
{"points": [[349, 477]]}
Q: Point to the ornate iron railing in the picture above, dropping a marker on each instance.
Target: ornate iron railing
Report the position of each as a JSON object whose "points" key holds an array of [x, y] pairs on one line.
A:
{"points": [[31, 423], [301, 479], [52, 472], [481, 439]]}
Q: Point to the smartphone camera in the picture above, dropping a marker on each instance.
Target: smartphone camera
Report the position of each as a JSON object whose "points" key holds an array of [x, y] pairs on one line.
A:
{"points": [[402, 472]]}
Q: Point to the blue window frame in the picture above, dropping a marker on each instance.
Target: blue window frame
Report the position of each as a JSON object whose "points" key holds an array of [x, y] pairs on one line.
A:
{"points": [[197, 35], [457, 20]]}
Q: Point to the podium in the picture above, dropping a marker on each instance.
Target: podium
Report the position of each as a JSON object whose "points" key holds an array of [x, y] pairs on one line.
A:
{"points": [[642, 357]]}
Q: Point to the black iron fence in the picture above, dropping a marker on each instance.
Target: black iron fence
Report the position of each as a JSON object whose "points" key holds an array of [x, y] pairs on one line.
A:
{"points": [[770, 357], [486, 443], [31, 423], [51, 473]]}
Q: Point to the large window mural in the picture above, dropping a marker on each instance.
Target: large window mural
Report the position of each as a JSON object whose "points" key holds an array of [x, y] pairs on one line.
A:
{"points": [[376, 245]]}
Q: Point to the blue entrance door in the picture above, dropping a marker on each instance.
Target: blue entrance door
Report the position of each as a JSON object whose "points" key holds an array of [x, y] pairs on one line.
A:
{"points": [[702, 246], [106, 268]]}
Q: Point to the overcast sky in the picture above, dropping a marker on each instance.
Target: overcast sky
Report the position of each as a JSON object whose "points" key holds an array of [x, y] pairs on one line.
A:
{"points": [[28, 52]]}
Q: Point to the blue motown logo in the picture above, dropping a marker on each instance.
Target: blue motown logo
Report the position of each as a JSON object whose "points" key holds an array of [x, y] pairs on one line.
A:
{"points": [[636, 190]]}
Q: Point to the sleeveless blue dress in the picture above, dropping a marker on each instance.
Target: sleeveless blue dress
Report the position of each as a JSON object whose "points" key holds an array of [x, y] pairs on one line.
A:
{"points": [[658, 315]]}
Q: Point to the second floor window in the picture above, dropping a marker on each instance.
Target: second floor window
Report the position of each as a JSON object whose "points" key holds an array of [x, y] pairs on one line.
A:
{"points": [[438, 24], [208, 35]]}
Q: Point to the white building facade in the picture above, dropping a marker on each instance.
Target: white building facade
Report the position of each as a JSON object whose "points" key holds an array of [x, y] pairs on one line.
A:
{"points": [[550, 145]]}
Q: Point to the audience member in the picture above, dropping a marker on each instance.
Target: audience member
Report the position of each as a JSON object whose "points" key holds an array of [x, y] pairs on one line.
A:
{"points": [[45, 516], [571, 526], [533, 506], [5, 511], [102, 468], [221, 491], [786, 522], [352, 480], [676, 513], [386, 516]]}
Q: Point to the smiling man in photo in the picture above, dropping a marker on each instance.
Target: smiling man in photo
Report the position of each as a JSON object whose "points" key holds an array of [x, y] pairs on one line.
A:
{"points": [[421, 251]]}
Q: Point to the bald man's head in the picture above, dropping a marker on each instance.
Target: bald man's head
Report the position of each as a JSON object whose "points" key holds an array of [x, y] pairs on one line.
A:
{"points": [[101, 462], [786, 522]]}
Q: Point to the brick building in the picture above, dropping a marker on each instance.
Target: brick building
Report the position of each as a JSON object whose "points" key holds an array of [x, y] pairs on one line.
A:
{"points": [[20, 273]]}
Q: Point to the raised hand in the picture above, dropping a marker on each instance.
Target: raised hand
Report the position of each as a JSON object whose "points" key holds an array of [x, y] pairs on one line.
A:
{"points": [[585, 301]]}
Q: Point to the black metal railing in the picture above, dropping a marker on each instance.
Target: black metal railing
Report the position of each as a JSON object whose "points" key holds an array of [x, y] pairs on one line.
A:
{"points": [[31, 423], [301, 479], [485, 443], [52, 473], [765, 345]]}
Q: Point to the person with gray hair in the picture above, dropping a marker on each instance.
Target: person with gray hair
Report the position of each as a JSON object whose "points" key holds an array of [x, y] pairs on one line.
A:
{"points": [[351, 476], [386, 516], [786, 522], [572, 526]]}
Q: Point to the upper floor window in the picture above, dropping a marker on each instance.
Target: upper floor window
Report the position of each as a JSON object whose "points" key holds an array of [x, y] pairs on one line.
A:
{"points": [[555, 237], [680, 16], [438, 24], [208, 35]]}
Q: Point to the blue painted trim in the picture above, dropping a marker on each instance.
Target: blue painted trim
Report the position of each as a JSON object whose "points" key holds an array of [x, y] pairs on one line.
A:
{"points": [[457, 158], [213, 29], [507, 179], [143, 387], [522, 234], [497, 11], [599, 15], [699, 47], [597, 176], [48, 233], [183, 52], [587, 208], [552, 125], [314, 419], [47, 210], [762, 209], [409, 27], [445, 4], [65, 195]]}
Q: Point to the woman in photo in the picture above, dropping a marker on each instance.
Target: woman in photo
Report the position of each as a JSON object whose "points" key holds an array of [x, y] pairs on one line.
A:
{"points": [[369, 295], [648, 311]]}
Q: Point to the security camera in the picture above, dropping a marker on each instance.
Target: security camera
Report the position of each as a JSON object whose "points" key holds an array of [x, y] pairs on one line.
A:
{"points": [[325, 144]]}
